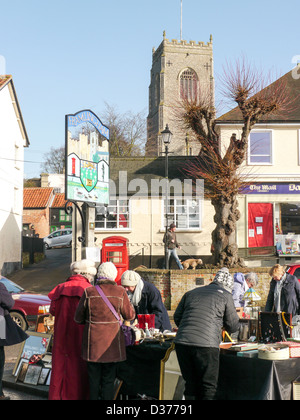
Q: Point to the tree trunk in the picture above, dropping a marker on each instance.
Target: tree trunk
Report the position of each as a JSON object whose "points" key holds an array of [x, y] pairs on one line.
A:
{"points": [[224, 247]]}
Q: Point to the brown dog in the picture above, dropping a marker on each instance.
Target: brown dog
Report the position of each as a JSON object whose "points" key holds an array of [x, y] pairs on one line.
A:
{"points": [[191, 262]]}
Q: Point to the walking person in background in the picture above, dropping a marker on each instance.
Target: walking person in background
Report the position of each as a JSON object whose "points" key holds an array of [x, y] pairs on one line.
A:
{"points": [[69, 377], [103, 343], [171, 243], [200, 317], [241, 284]]}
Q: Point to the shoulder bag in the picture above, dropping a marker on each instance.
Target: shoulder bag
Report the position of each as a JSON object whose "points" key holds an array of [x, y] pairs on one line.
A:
{"points": [[128, 332]]}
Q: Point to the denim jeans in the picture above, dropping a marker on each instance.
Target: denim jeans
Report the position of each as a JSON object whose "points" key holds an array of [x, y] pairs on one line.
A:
{"points": [[175, 256]]}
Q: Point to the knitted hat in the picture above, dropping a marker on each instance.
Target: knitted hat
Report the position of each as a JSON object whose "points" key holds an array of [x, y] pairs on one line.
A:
{"points": [[130, 278], [107, 270], [83, 267], [224, 279]]}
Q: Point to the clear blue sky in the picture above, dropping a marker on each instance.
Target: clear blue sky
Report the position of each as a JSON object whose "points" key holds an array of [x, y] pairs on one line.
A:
{"points": [[70, 55]]}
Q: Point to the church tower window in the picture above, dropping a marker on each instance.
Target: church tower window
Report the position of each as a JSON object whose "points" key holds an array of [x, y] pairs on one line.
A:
{"points": [[188, 84]]}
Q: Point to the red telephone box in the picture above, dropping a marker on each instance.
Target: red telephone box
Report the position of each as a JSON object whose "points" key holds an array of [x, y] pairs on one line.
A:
{"points": [[114, 249]]}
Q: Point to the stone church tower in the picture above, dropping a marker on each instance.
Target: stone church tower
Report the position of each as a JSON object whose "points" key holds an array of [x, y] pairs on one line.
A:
{"points": [[179, 69]]}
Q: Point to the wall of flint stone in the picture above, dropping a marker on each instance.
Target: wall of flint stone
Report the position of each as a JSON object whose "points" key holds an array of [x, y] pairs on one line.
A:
{"points": [[173, 284]]}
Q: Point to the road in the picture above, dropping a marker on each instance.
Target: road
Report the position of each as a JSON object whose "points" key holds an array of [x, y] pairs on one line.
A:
{"points": [[44, 276]]}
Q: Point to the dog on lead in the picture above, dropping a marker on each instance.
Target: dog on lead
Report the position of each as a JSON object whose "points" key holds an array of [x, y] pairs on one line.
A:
{"points": [[192, 262]]}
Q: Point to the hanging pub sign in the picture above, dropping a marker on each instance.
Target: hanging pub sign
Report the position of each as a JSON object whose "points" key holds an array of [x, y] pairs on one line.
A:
{"points": [[87, 158]]}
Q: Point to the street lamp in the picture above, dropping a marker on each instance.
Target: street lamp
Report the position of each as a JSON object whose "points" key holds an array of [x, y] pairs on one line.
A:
{"points": [[166, 137]]}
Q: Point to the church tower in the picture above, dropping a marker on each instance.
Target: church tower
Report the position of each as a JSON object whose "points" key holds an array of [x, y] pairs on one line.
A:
{"points": [[179, 69]]}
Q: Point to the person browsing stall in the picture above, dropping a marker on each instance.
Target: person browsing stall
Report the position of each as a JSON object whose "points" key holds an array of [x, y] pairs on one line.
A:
{"points": [[284, 293], [103, 344], [146, 298], [69, 376], [200, 317]]}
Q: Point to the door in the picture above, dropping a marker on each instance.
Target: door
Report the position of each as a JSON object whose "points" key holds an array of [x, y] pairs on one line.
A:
{"points": [[260, 225]]}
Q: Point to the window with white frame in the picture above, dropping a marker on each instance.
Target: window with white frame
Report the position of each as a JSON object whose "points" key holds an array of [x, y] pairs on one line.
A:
{"points": [[260, 148], [117, 218], [186, 214]]}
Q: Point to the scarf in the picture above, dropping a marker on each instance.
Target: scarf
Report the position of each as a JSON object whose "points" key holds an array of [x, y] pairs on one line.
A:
{"points": [[277, 293], [136, 296]]}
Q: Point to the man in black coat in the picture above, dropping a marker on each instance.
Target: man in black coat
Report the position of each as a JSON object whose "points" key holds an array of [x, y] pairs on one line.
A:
{"points": [[200, 317], [146, 299]]}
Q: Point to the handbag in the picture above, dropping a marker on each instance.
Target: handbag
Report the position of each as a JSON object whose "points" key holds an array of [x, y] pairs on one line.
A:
{"points": [[128, 332], [13, 333]]}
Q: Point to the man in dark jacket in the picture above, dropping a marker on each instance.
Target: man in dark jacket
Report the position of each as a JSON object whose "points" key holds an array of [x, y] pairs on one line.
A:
{"points": [[146, 299], [171, 243], [200, 317]]}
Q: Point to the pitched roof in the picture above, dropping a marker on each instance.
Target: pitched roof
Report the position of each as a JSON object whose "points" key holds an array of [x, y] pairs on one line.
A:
{"points": [[292, 80], [37, 197], [4, 80], [59, 201], [7, 80]]}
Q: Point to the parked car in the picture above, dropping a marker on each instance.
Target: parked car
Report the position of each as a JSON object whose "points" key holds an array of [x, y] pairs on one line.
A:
{"points": [[294, 269], [28, 305], [61, 237]]}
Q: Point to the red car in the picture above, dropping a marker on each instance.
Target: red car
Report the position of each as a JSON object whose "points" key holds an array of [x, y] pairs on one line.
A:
{"points": [[27, 305], [294, 269]]}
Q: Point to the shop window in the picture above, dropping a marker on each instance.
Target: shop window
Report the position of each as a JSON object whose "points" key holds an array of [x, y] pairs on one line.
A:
{"points": [[290, 218], [186, 214], [118, 216], [260, 148]]}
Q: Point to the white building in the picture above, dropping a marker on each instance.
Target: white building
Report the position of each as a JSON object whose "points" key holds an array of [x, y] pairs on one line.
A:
{"points": [[13, 139]]}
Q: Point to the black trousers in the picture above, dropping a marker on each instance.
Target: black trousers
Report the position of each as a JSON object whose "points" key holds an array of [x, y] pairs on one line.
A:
{"points": [[102, 378], [2, 362], [200, 370]]}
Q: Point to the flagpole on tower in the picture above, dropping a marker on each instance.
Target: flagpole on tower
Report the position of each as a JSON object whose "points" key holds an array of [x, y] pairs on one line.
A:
{"points": [[180, 20]]}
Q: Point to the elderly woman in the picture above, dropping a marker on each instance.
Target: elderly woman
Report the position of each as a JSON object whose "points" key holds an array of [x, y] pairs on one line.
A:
{"points": [[146, 298], [103, 342], [69, 377], [284, 293], [241, 284]]}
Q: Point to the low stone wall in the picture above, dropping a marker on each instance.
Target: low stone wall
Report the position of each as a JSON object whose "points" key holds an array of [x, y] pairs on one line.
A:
{"points": [[173, 284]]}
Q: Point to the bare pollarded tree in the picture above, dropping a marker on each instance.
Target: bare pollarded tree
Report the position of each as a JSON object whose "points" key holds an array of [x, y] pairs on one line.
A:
{"points": [[219, 168]]}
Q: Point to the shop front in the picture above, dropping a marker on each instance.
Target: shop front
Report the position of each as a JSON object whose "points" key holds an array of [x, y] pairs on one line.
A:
{"points": [[271, 215]]}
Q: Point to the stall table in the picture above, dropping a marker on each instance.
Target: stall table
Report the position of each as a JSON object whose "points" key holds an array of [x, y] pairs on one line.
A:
{"points": [[244, 378]]}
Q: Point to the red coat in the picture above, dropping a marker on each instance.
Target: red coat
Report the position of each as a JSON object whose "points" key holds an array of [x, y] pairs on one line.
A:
{"points": [[69, 378]]}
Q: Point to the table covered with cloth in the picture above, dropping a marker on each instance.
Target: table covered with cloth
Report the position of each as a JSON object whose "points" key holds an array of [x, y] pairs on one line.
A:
{"points": [[242, 378]]}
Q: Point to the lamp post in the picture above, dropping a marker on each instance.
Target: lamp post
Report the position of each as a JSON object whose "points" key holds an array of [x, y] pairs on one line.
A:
{"points": [[166, 137]]}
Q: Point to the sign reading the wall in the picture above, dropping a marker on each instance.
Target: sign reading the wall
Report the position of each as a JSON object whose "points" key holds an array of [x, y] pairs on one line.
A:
{"points": [[87, 158]]}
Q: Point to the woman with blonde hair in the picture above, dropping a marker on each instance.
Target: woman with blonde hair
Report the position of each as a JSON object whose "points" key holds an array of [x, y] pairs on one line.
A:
{"points": [[284, 293]]}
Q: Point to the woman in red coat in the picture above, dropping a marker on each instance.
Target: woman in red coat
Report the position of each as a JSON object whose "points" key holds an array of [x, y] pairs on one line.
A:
{"points": [[69, 378]]}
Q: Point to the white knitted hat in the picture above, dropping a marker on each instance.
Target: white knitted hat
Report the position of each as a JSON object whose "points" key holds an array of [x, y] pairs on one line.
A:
{"points": [[83, 267], [107, 270], [130, 278]]}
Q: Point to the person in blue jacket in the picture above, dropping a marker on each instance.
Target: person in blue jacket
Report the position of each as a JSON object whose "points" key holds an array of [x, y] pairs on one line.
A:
{"points": [[146, 299]]}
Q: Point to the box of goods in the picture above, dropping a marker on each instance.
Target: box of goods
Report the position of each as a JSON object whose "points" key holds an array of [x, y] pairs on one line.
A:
{"points": [[293, 347], [274, 352]]}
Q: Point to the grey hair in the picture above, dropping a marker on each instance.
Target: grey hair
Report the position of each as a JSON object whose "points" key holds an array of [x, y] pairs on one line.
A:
{"points": [[252, 277]]}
